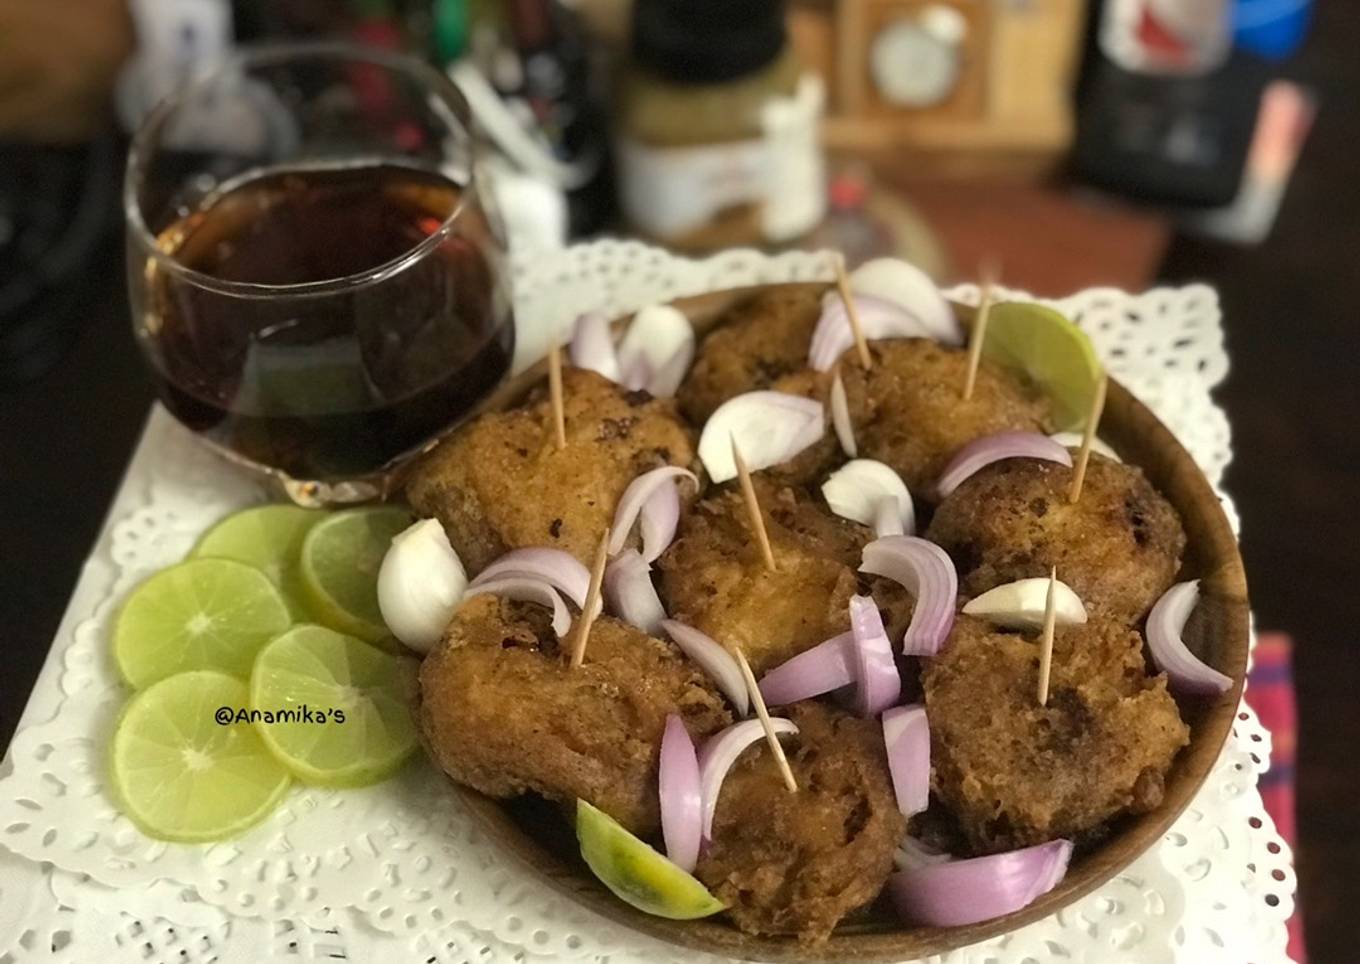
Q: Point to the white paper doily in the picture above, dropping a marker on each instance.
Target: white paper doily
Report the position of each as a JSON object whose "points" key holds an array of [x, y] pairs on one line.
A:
{"points": [[399, 871]]}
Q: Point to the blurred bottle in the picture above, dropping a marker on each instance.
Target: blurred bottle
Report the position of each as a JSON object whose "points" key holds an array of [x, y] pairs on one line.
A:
{"points": [[1167, 36]]}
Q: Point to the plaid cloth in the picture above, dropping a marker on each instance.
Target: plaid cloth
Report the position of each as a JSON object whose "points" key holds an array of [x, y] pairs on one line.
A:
{"points": [[1270, 692]]}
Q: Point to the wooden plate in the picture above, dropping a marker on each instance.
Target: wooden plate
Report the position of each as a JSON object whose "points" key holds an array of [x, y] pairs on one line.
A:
{"points": [[1217, 633]]}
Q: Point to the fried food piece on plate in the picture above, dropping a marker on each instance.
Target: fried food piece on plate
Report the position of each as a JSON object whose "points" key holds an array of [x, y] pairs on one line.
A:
{"points": [[1119, 547], [759, 341], [501, 710], [800, 862], [499, 483], [908, 411], [1015, 773]]}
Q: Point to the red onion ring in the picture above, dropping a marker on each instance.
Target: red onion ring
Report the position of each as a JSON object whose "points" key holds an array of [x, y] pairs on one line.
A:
{"points": [[982, 452], [963, 892], [769, 428], [592, 346], [906, 734], [654, 496], [526, 589], [871, 493], [877, 319], [559, 569], [825, 667], [877, 683], [629, 591], [713, 660], [840, 417], [680, 794], [721, 751], [660, 343], [926, 571], [1185, 672], [637, 373]]}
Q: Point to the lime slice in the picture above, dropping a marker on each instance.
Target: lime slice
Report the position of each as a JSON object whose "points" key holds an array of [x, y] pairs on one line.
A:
{"points": [[201, 614], [268, 537], [636, 873], [339, 566], [179, 774], [334, 710], [1053, 352]]}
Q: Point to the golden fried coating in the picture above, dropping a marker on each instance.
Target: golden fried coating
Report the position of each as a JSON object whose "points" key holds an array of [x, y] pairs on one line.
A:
{"points": [[799, 862], [1119, 547], [758, 341], [501, 711], [500, 483], [908, 411], [1015, 773]]}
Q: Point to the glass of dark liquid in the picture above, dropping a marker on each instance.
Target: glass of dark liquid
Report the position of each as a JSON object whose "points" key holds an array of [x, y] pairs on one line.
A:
{"points": [[316, 279]]}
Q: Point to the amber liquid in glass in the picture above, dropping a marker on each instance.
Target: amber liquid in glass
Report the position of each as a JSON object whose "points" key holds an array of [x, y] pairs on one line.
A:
{"points": [[336, 383]]}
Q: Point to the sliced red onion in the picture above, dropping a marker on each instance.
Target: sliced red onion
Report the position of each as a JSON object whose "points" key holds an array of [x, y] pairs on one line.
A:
{"points": [[1073, 440], [877, 683], [833, 335], [630, 594], [872, 494], [825, 667], [713, 660], [912, 853], [769, 428], [592, 346], [840, 417], [660, 341], [982, 452], [654, 496], [637, 373], [906, 734], [904, 284], [1023, 603], [559, 569], [926, 571], [721, 751], [681, 795], [968, 891], [1185, 672], [527, 589]]}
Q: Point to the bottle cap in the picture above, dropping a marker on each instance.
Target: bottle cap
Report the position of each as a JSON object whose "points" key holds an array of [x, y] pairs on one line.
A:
{"points": [[707, 41]]}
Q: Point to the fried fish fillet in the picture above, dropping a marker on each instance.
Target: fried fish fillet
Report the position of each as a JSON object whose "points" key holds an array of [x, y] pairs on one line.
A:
{"points": [[799, 862], [1015, 773], [1119, 547], [500, 483], [501, 711]]}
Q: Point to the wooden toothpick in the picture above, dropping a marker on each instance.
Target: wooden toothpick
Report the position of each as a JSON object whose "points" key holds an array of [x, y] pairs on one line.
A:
{"points": [[852, 313], [763, 713], [984, 309], [555, 390], [1046, 640], [1087, 439], [591, 609], [748, 492]]}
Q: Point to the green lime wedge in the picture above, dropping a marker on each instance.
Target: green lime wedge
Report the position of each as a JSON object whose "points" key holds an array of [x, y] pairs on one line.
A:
{"points": [[180, 774], [201, 614], [268, 537], [1056, 354], [334, 710], [339, 566], [636, 873]]}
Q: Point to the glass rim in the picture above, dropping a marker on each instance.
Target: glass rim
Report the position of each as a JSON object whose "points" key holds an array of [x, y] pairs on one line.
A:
{"points": [[141, 148]]}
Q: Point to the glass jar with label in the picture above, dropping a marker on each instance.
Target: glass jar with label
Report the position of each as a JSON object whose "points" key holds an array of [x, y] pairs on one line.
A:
{"points": [[718, 127]]}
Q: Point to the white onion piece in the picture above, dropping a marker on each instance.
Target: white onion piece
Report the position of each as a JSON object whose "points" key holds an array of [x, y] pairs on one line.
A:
{"points": [[558, 568], [721, 751], [907, 286], [982, 452], [420, 584], [913, 853], [660, 341], [833, 336], [857, 490], [717, 662], [526, 589], [840, 417], [592, 346], [906, 734], [825, 667], [877, 683], [1185, 672], [926, 571], [968, 891], [653, 495], [1073, 440], [680, 794], [637, 374], [769, 428], [629, 591], [1022, 604]]}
